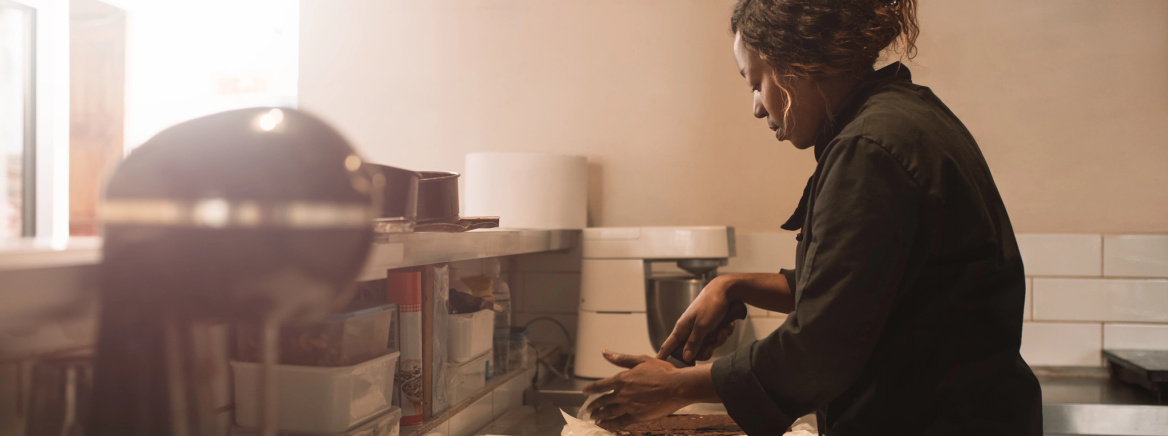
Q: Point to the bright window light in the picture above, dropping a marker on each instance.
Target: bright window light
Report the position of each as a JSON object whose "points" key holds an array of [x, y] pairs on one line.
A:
{"points": [[187, 59]]}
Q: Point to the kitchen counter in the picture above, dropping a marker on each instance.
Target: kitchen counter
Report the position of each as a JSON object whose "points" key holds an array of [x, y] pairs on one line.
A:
{"points": [[546, 420], [1076, 401], [1089, 385], [1086, 401], [529, 421]]}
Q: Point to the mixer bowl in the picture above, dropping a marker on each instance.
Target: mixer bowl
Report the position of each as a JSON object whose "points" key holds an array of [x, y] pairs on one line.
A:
{"points": [[665, 300]]}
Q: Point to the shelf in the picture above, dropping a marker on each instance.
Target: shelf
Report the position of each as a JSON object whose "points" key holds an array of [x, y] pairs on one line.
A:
{"points": [[403, 250], [450, 413], [38, 253], [39, 277]]}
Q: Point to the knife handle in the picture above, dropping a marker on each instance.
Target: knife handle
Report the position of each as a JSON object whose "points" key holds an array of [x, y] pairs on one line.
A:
{"points": [[737, 310]]}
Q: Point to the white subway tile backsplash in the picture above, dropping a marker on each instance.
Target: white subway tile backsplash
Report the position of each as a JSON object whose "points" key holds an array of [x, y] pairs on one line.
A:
{"points": [[515, 284], [551, 292], [545, 331], [1135, 256], [1131, 300], [509, 396], [474, 417], [1062, 344], [1062, 255], [762, 252], [1027, 310], [1135, 336]]}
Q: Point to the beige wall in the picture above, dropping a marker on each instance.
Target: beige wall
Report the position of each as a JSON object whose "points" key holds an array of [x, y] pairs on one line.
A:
{"points": [[1069, 99]]}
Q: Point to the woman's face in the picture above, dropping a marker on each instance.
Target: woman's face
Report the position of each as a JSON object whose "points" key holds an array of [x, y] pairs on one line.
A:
{"points": [[770, 102]]}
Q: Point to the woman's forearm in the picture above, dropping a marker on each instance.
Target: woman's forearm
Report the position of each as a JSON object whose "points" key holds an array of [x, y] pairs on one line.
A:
{"points": [[762, 290], [696, 385]]}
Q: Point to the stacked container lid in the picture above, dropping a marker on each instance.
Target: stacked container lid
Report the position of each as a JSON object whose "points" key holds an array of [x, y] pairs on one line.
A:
{"points": [[385, 424]]}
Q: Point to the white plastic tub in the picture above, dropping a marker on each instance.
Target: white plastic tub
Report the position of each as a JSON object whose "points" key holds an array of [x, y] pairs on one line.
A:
{"points": [[470, 335], [385, 424], [464, 380], [313, 399]]}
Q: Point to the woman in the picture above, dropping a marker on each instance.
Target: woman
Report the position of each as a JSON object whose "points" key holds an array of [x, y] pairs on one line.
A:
{"points": [[906, 298]]}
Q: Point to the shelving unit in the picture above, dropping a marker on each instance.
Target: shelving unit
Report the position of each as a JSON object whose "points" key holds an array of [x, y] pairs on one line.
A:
{"points": [[39, 277], [437, 422], [403, 250]]}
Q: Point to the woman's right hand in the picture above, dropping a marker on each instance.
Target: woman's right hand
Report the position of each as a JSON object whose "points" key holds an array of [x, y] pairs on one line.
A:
{"points": [[702, 316]]}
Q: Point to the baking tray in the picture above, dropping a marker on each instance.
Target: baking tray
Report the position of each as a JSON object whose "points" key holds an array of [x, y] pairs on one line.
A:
{"points": [[1145, 368]]}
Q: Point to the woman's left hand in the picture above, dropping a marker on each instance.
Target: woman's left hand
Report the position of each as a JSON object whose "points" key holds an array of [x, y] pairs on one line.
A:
{"points": [[651, 388]]}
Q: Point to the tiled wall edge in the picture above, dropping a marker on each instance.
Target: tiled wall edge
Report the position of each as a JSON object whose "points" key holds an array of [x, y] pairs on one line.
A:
{"points": [[1115, 258], [1047, 343], [1135, 255], [1100, 300], [1069, 254]]}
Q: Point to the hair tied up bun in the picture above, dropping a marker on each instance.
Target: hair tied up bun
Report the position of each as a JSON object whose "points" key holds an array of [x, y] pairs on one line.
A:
{"points": [[801, 38]]}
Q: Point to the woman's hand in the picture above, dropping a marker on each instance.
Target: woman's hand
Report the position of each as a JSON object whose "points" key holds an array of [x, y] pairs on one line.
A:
{"points": [[702, 316], [650, 389]]}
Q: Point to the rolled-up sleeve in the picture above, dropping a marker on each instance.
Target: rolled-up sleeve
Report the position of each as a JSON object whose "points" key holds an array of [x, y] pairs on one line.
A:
{"points": [[863, 221]]}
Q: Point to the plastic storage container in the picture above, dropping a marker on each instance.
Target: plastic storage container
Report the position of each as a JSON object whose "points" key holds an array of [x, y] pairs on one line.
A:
{"points": [[359, 333], [470, 335], [385, 424], [313, 399], [517, 351], [502, 342], [464, 380]]}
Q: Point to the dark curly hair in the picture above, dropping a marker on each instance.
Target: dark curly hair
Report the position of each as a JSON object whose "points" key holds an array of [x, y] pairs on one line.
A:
{"points": [[804, 38]]}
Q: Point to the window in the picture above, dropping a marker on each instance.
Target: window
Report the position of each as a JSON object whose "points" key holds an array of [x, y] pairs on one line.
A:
{"points": [[190, 59], [82, 82], [140, 66], [17, 120]]}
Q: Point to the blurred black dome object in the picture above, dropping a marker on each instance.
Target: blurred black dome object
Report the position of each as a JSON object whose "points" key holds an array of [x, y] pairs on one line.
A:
{"points": [[229, 212]]}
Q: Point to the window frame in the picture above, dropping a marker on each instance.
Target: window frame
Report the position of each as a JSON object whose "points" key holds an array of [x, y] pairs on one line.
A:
{"points": [[28, 166], [45, 176]]}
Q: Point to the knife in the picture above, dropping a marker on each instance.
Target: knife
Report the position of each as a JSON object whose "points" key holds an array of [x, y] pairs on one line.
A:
{"points": [[736, 311]]}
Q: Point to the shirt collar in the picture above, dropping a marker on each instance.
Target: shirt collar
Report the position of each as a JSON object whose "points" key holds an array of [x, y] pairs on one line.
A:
{"points": [[851, 104], [844, 114]]}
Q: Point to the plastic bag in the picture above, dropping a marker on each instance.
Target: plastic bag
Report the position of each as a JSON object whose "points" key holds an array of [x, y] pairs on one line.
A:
{"points": [[805, 426], [585, 426], [580, 427]]}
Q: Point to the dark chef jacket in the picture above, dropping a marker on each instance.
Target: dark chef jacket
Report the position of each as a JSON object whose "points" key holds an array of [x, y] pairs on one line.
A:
{"points": [[908, 285]]}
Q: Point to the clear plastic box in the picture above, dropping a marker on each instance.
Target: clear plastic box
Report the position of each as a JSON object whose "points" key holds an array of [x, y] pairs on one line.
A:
{"points": [[314, 399], [471, 335], [464, 380], [359, 333], [385, 424], [517, 352]]}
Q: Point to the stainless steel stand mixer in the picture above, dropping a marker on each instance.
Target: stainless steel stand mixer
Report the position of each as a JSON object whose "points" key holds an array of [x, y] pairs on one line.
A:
{"points": [[624, 305]]}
